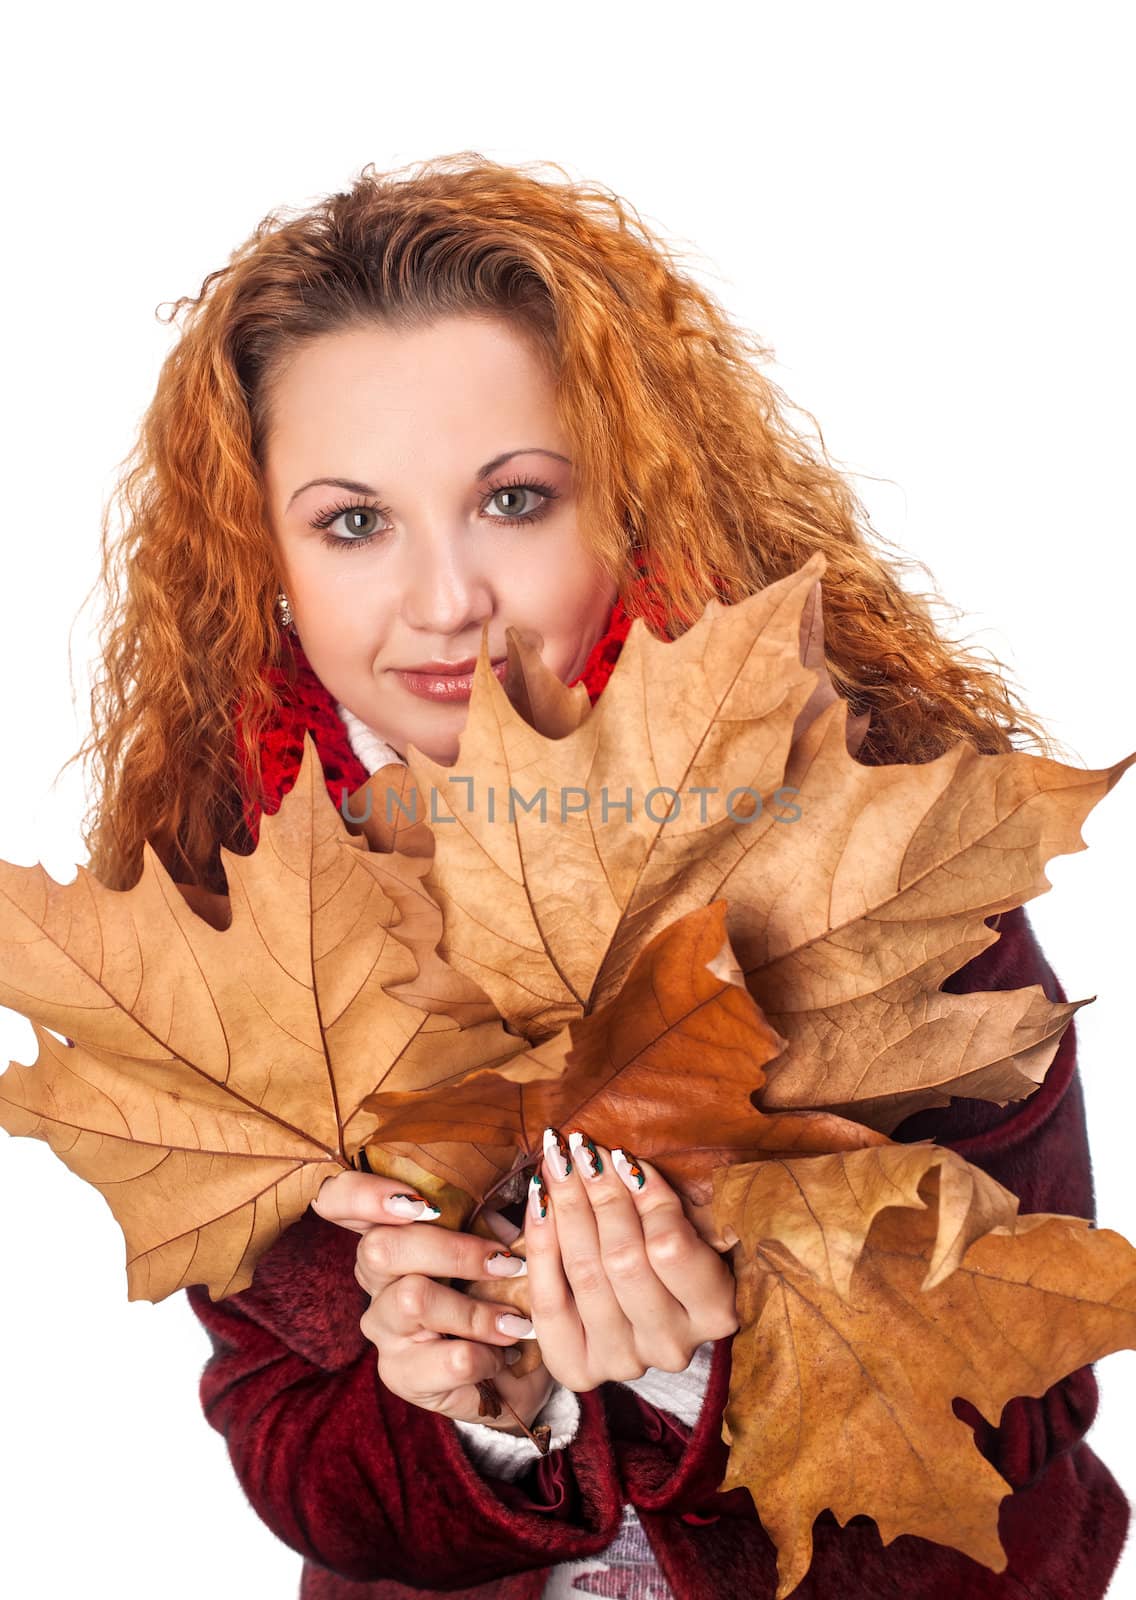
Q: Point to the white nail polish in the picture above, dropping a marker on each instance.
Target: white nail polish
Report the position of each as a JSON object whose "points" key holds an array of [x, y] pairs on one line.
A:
{"points": [[556, 1154], [538, 1198], [590, 1163], [407, 1205], [629, 1170]]}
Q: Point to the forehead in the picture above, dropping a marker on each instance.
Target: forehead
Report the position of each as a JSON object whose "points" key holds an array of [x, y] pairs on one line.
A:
{"points": [[461, 379]]}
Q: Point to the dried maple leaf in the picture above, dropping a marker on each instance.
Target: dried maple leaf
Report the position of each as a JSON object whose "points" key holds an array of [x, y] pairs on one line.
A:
{"points": [[874, 1286], [230, 1054], [848, 904], [217, 1072], [390, 810], [667, 1068]]}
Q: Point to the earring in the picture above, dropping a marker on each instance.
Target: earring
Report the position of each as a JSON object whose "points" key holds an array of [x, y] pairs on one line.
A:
{"points": [[284, 609]]}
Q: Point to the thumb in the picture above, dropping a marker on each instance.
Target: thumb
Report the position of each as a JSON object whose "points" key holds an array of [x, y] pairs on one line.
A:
{"points": [[359, 1200]]}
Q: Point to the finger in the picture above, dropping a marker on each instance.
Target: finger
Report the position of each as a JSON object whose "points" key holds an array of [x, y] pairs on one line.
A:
{"points": [[502, 1227], [645, 1300], [600, 1311], [553, 1310], [357, 1200], [415, 1305], [384, 1253], [438, 1373], [693, 1271]]}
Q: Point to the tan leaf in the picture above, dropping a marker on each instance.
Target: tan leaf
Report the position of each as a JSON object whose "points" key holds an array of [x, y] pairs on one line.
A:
{"points": [[874, 1286], [559, 888], [853, 890], [390, 813], [544, 701], [217, 1075], [812, 655]]}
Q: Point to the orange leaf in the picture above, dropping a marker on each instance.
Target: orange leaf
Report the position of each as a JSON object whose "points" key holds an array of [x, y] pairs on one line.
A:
{"points": [[667, 1068], [873, 1287]]}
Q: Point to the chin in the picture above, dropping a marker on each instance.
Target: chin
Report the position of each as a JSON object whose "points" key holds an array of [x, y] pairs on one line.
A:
{"points": [[443, 751]]}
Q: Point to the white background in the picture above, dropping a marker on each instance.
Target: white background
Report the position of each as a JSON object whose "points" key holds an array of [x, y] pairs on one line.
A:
{"points": [[923, 209]]}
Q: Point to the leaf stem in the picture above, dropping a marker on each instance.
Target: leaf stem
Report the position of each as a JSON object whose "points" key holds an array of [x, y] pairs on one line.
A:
{"points": [[524, 1160], [543, 1433]]}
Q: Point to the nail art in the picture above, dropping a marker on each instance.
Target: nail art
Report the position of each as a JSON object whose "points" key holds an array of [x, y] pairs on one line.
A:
{"points": [[629, 1169], [592, 1164], [538, 1198], [504, 1264], [412, 1206], [556, 1153]]}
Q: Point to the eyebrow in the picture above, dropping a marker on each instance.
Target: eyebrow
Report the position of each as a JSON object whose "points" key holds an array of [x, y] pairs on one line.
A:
{"points": [[356, 487]]}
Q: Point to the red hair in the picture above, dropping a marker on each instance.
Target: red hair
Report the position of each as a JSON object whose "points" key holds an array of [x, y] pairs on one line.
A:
{"points": [[682, 450]]}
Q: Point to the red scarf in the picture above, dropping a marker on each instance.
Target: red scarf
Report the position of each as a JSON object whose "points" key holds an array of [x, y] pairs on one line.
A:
{"points": [[305, 706]]}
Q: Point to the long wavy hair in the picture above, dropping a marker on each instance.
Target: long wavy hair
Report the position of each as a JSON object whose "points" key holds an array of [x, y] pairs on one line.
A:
{"points": [[681, 446]]}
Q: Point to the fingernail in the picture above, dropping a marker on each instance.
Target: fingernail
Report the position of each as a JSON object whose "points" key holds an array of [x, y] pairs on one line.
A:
{"points": [[556, 1153], [629, 1169], [515, 1327], [592, 1165], [538, 1198], [512, 1355], [412, 1206], [504, 1264]]}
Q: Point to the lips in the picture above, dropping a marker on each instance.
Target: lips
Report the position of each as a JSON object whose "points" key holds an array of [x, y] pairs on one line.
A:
{"points": [[452, 682], [443, 669]]}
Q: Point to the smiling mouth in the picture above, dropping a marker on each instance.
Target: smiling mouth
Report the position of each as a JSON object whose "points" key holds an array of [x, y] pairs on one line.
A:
{"points": [[448, 685], [459, 669]]}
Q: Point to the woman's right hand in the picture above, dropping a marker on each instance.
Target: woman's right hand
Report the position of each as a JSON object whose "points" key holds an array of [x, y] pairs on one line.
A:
{"points": [[410, 1314]]}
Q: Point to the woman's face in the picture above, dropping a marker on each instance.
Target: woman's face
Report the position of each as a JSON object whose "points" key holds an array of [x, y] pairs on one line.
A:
{"points": [[395, 463]]}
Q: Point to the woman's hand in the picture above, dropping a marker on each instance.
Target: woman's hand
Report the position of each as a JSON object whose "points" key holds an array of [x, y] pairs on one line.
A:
{"points": [[619, 1280], [399, 1255]]}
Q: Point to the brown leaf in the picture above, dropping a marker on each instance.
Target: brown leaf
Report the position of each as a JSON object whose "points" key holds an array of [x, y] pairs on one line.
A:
{"points": [[873, 1287], [539, 696], [811, 646], [667, 1068], [217, 1076], [853, 891], [747, 995], [389, 811]]}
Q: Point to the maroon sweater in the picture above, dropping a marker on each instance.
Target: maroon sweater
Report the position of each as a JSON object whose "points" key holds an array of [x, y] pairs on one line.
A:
{"points": [[383, 1503]]}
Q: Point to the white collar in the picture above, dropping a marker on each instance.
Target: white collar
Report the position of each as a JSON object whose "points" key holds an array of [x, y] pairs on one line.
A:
{"points": [[372, 751]]}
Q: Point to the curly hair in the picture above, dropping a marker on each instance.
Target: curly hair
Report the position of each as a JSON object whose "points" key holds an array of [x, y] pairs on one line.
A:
{"points": [[681, 447]]}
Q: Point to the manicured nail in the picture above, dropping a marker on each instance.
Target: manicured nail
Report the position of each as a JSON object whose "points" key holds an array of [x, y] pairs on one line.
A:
{"points": [[592, 1164], [512, 1355], [504, 1264], [538, 1198], [629, 1169], [412, 1206], [515, 1327], [556, 1153]]}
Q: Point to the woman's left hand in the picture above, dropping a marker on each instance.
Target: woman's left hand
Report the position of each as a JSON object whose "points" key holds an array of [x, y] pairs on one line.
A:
{"points": [[618, 1278]]}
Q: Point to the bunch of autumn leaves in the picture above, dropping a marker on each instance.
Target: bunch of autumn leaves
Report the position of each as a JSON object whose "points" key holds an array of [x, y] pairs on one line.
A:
{"points": [[737, 974]]}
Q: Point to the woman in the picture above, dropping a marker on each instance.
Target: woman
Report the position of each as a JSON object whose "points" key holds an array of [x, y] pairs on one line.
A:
{"points": [[469, 398]]}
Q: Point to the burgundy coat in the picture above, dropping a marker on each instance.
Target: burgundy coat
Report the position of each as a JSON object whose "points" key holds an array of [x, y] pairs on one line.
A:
{"points": [[382, 1502]]}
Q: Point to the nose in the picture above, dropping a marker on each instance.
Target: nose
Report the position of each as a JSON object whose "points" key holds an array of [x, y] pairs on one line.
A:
{"points": [[446, 589]]}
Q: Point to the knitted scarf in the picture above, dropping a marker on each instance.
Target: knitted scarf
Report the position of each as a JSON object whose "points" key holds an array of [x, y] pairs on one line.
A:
{"points": [[305, 706]]}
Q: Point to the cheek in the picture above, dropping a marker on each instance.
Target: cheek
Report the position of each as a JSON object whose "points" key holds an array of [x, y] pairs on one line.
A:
{"points": [[550, 579], [572, 622], [337, 603]]}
